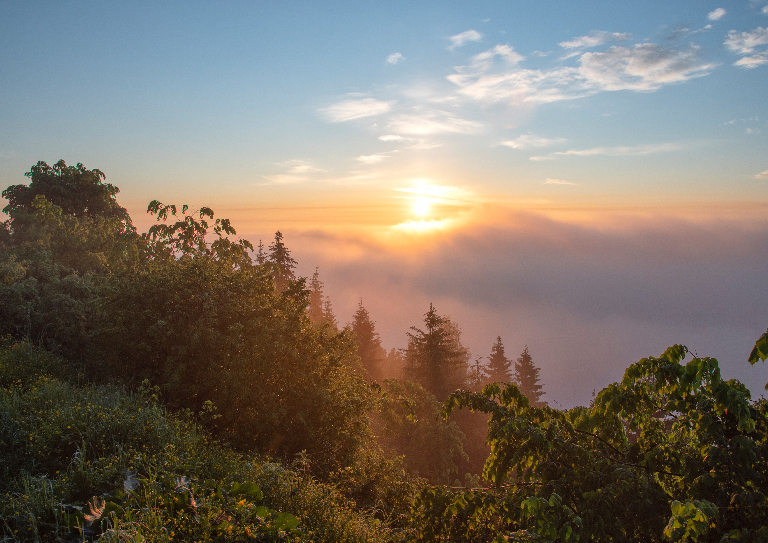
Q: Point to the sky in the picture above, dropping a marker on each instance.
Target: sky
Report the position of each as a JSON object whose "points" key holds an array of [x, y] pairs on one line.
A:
{"points": [[585, 179]]}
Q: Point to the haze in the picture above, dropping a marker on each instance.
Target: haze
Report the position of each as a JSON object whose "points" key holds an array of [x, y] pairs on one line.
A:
{"points": [[586, 181]]}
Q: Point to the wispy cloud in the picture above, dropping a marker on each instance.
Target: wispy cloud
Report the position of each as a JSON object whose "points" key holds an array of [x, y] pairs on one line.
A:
{"points": [[394, 58], [372, 159], [762, 175], [296, 171], [355, 108], [593, 40], [716, 15], [646, 67], [636, 150], [391, 137], [551, 181], [744, 43], [529, 141], [460, 39], [435, 122]]}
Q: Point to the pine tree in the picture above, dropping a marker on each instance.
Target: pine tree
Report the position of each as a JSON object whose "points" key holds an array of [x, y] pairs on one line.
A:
{"points": [[435, 357], [369, 349], [478, 375], [527, 379], [261, 256], [328, 315], [281, 256], [315, 309], [499, 366]]}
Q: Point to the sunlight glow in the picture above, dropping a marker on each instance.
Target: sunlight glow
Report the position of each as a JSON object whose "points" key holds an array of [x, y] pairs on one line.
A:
{"points": [[421, 205]]}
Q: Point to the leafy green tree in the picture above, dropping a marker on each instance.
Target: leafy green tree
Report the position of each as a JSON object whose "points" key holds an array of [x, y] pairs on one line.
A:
{"points": [[435, 357], [527, 378], [671, 452], [369, 347], [499, 366], [408, 423], [76, 190], [207, 325], [280, 256]]}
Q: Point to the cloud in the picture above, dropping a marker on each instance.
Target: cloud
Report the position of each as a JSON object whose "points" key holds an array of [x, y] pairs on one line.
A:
{"points": [[765, 10], [299, 166], [541, 158], [551, 181], [350, 109], [606, 292], [744, 43], [637, 150], [391, 137], [752, 61], [436, 122], [593, 40], [762, 175], [460, 39], [372, 159], [394, 58], [529, 141], [645, 67], [716, 15]]}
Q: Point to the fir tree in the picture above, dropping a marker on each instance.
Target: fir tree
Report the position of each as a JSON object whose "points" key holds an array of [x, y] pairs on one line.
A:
{"points": [[328, 315], [527, 378], [261, 256], [369, 347], [435, 357], [478, 375], [499, 366], [315, 310], [281, 256]]}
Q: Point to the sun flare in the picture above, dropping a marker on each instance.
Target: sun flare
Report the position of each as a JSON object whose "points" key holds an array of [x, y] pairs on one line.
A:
{"points": [[421, 206]]}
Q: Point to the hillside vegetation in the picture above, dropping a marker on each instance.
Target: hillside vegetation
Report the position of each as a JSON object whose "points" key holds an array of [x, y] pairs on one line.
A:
{"points": [[173, 386]]}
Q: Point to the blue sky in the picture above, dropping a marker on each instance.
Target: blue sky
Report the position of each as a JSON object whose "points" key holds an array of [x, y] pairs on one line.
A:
{"points": [[377, 132]]}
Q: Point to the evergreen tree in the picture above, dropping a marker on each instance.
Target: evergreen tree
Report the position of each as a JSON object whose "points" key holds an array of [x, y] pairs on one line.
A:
{"points": [[281, 256], [369, 348], [328, 315], [499, 366], [478, 375], [435, 357], [315, 309], [527, 379], [261, 256]]}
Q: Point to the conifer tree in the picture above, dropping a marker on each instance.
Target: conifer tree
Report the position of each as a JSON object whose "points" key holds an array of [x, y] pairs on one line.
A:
{"points": [[478, 375], [527, 379], [261, 256], [281, 256], [499, 366], [316, 300], [435, 357], [369, 347], [328, 315]]}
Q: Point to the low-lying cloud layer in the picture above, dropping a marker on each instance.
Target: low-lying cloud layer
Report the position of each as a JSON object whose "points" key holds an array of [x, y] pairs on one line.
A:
{"points": [[587, 299]]}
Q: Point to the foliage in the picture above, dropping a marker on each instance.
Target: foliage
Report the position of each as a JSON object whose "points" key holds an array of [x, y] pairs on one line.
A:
{"points": [[435, 357], [670, 438], [280, 256], [90, 462], [206, 324], [760, 351], [408, 423]]}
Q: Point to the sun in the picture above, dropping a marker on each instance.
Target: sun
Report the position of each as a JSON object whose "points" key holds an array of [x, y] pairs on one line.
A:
{"points": [[421, 206]]}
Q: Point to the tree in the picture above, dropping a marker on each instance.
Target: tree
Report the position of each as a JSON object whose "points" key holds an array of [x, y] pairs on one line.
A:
{"points": [[281, 257], [672, 452], [478, 375], [499, 366], [369, 348], [527, 378], [408, 423], [76, 190], [435, 357], [316, 300]]}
